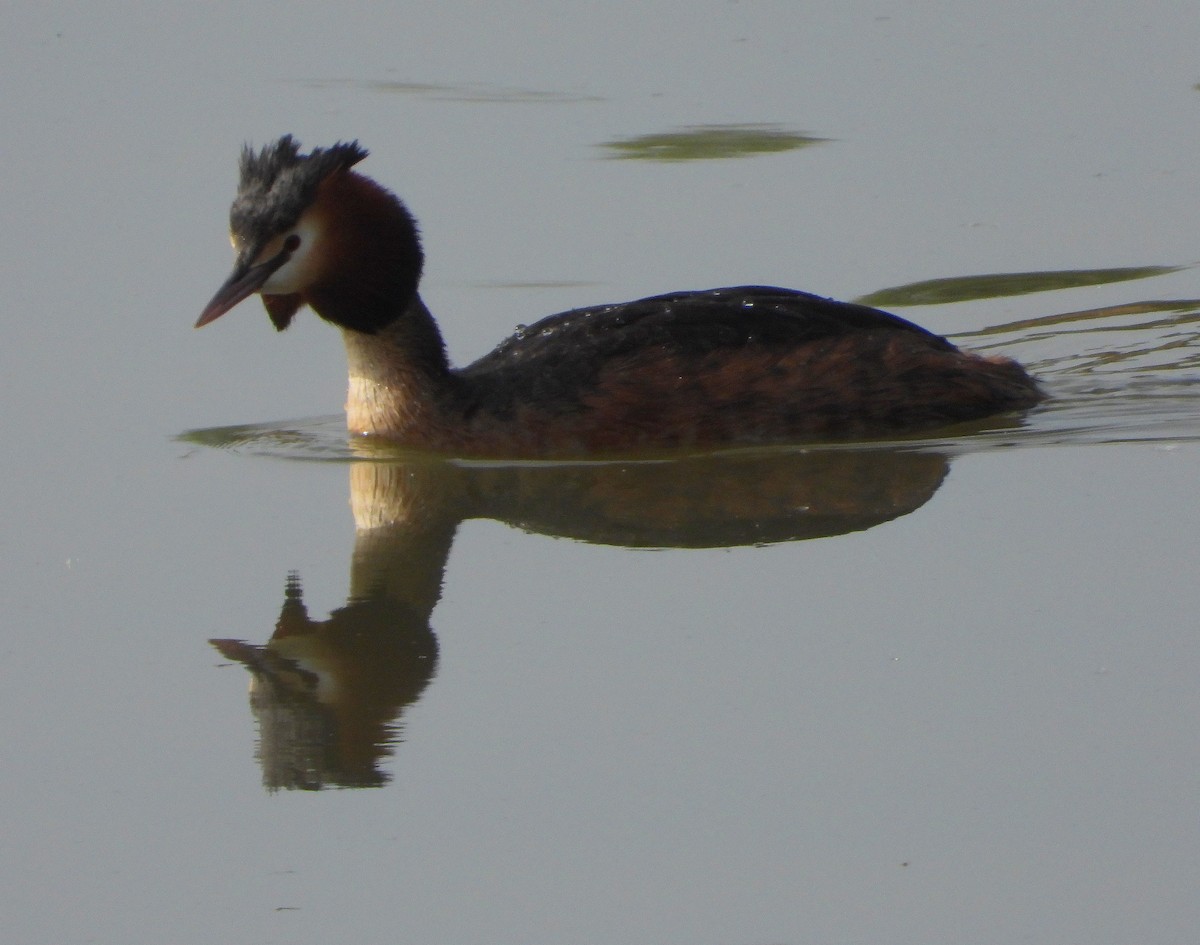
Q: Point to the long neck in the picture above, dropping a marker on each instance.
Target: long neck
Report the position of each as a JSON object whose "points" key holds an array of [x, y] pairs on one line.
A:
{"points": [[400, 380]]}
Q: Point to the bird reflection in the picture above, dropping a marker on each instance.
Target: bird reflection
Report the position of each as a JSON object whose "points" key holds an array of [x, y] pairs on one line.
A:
{"points": [[330, 695]]}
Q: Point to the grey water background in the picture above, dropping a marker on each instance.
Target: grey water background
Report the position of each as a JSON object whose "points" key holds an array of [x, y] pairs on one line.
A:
{"points": [[971, 721]]}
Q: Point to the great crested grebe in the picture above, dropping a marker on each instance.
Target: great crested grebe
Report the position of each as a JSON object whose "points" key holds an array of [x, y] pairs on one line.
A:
{"points": [[748, 365]]}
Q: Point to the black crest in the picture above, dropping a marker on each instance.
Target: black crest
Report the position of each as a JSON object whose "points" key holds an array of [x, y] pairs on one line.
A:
{"points": [[278, 183]]}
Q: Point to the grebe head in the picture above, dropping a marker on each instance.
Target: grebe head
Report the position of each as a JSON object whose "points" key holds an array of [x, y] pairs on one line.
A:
{"points": [[306, 229]]}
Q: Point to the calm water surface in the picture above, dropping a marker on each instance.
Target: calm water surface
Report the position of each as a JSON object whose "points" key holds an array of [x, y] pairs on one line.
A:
{"points": [[936, 690]]}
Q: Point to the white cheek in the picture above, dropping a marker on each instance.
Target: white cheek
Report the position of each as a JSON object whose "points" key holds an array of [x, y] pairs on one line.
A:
{"points": [[288, 278], [298, 272]]}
